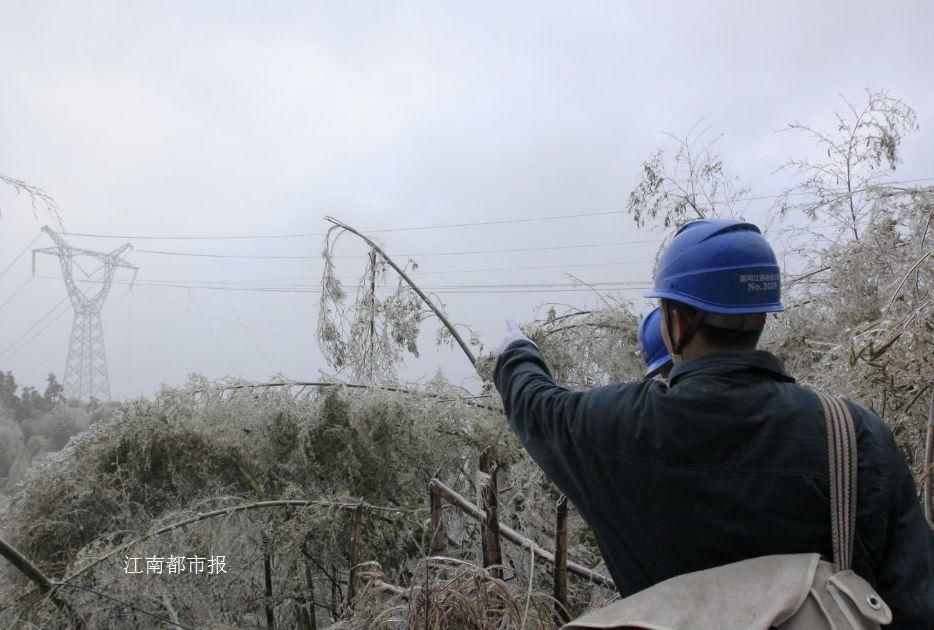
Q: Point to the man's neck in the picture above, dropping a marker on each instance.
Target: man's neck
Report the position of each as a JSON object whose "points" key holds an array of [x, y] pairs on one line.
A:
{"points": [[699, 347]]}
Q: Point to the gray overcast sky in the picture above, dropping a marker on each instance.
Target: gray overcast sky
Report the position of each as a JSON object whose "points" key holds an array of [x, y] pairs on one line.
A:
{"points": [[236, 118]]}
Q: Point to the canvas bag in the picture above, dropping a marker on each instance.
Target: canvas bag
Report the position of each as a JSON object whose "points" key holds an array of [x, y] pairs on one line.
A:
{"points": [[791, 592]]}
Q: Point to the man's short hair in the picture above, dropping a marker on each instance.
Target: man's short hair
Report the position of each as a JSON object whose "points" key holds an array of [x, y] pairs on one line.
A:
{"points": [[717, 335]]}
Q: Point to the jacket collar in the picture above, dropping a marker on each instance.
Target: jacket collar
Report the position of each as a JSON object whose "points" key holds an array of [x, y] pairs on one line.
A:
{"points": [[723, 363]]}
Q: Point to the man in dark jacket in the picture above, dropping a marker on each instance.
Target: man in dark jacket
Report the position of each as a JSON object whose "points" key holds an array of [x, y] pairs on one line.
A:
{"points": [[728, 462]]}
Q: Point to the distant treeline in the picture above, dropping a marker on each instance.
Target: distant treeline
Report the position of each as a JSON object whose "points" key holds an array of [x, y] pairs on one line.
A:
{"points": [[34, 423]]}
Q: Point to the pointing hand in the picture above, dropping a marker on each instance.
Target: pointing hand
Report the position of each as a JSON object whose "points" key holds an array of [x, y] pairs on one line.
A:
{"points": [[512, 334]]}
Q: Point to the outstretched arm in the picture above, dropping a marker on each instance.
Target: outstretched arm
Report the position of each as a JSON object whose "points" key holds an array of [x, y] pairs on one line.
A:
{"points": [[549, 420]]}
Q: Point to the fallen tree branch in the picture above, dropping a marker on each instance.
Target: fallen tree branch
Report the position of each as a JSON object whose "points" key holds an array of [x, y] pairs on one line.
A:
{"points": [[46, 586], [565, 316], [904, 408], [512, 535], [798, 279], [128, 605], [898, 289], [25, 567], [581, 325], [377, 583], [444, 320], [388, 388], [226, 511]]}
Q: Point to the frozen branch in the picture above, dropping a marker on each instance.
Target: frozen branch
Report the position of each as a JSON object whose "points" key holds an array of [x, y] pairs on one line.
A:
{"points": [[440, 315]]}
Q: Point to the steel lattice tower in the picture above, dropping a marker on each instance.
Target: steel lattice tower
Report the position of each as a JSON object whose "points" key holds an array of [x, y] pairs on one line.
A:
{"points": [[86, 374]]}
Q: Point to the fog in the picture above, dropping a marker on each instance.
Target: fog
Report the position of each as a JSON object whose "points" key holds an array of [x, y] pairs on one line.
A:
{"points": [[248, 120]]}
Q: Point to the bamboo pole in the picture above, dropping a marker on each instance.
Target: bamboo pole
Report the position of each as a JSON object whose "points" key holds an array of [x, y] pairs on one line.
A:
{"points": [[388, 388], [489, 525], [438, 535], [561, 563], [35, 574], [25, 567], [465, 506]]}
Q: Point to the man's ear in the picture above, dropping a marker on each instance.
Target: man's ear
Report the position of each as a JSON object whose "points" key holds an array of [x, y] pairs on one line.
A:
{"points": [[681, 324], [663, 313], [672, 327]]}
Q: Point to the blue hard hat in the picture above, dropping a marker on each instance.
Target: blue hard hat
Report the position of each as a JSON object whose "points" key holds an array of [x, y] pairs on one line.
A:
{"points": [[654, 353], [720, 266]]}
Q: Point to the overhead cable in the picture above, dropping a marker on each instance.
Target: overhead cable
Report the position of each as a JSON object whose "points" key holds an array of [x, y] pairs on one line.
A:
{"points": [[444, 226], [3, 353], [409, 255], [15, 293], [20, 255], [452, 288]]}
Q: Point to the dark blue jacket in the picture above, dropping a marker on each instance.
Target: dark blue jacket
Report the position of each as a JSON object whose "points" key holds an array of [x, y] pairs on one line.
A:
{"points": [[728, 462]]}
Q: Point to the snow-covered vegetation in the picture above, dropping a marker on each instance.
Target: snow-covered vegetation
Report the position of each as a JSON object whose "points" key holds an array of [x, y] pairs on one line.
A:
{"points": [[276, 478]]}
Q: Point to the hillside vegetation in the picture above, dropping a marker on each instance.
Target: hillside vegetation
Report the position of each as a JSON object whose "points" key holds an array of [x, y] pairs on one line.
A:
{"points": [[280, 480]]}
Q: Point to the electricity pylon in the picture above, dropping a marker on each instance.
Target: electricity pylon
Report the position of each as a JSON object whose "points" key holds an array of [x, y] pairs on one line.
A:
{"points": [[86, 374]]}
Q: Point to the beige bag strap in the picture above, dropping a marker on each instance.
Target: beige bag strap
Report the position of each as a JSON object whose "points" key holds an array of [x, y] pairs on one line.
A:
{"points": [[841, 457]]}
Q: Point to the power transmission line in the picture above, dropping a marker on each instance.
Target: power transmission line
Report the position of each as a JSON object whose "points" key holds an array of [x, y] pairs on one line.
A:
{"points": [[429, 254], [419, 272], [15, 293], [419, 254], [217, 341], [478, 289], [194, 238], [243, 256], [314, 283], [20, 255], [454, 288], [31, 328], [314, 288], [444, 226], [282, 257], [410, 255], [580, 215], [249, 336], [37, 334]]}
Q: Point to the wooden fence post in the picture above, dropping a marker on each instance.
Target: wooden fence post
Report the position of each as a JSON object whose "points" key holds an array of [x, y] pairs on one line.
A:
{"points": [[561, 563], [336, 594], [267, 574], [489, 526], [308, 618], [928, 493], [354, 558], [512, 535], [437, 523]]}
